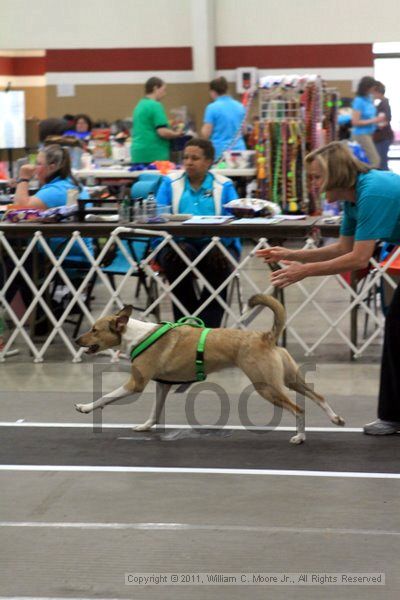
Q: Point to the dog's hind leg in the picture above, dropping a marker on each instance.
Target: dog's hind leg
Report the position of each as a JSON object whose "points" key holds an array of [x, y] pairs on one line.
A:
{"points": [[295, 381], [162, 390], [300, 386], [279, 398], [300, 436]]}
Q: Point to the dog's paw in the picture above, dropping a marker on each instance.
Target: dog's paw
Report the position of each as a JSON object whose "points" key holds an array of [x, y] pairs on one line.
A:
{"points": [[298, 439], [338, 421], [144, 426], [83, 408]]}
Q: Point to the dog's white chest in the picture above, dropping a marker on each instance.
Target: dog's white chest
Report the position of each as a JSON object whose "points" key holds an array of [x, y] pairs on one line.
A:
{"points": [[136, 331]]}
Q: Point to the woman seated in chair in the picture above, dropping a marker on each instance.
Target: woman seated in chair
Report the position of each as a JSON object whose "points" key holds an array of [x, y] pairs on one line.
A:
{"points": [[198, 192], [53, 172]]}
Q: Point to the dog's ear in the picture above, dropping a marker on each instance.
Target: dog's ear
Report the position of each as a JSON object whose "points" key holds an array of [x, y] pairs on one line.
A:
{"points": [[119, 322], [126, 311]]}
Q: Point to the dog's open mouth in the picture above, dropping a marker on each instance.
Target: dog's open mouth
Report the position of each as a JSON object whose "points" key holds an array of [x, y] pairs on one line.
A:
{"points": [[92, 349]]}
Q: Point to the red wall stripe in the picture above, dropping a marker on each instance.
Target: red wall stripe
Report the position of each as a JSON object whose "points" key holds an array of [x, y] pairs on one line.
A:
{"points": [[311, 56], [6, 66], [22, 65], [120, 59], [29, 65]]}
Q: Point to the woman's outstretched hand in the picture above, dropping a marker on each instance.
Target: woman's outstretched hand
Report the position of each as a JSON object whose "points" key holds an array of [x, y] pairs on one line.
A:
{"points": [[293, 271], [274, 254]]}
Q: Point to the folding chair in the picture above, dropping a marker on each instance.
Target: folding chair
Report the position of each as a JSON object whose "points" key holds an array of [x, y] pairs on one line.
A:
{"points": [[117, 264], [76, 267], [147, 183], [358, 280], [234, 288]]}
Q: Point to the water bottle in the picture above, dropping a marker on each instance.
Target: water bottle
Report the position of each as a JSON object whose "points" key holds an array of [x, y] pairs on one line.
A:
{"points": [[151, 206], [137, 208], [125, 210]]}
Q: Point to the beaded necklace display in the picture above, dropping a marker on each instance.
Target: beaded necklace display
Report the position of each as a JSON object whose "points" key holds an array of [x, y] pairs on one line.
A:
{"points": [[291, 111]]}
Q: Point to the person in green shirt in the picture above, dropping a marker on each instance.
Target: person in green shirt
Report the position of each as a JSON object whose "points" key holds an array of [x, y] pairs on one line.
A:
{"points": [[151, 133]]}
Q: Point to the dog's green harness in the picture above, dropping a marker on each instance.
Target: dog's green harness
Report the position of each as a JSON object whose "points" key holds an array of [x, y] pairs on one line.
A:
{"points": [[167, 326]]}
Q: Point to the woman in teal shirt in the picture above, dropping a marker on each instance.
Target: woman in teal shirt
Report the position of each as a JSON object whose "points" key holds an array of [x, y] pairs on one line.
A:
{"points": [[54, 176], [364, 119], [371, 212]]}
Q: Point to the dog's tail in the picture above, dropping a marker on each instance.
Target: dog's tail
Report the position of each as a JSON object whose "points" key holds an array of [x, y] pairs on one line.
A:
{"points": [[277, 309]]}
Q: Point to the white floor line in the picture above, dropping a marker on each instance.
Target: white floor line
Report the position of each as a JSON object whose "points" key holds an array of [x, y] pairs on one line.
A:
{"points": [[198, 471], [195, 527], [172, 426]]}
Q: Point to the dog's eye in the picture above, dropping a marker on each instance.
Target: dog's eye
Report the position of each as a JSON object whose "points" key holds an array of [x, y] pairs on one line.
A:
{"points": [[94, 330]]}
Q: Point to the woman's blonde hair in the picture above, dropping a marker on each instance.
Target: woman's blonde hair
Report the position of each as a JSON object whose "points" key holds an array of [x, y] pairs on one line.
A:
{"points": [[339, 166]]}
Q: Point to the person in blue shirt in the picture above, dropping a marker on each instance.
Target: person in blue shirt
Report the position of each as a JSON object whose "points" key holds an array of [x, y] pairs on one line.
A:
{"points": [[82, 128], [371, 212], [198, 192], [55, 178], [53, 173], [384, 135], [223, 119], [364, 119]]}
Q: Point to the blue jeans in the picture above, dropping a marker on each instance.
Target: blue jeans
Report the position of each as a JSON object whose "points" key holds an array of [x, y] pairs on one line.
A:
{"points": [[383, 149]]}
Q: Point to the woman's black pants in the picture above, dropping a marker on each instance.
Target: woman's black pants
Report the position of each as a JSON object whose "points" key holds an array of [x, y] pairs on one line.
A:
{"points": [[389, 392], [214, 267]]}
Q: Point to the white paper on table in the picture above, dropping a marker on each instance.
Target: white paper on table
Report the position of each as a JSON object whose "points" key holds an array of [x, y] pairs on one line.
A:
{"points": [[260, 220], [208, 219], [294, 217]]}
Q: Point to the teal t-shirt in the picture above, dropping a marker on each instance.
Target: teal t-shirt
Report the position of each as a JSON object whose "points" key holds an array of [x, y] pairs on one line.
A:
{"points": [[55, 193], [147, 145], [366, 107], [376, 213], [226, 116]]}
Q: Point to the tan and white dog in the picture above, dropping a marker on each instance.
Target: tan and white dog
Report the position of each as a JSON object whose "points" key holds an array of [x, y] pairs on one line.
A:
{"points": [[172, 358]]}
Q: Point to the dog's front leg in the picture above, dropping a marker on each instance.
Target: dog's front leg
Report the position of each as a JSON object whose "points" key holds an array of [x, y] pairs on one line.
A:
{"points": [[162, 390], [121, 392]]}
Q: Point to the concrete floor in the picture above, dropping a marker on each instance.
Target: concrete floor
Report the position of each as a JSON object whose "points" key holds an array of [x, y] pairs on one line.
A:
{"points": [[75, 533]]}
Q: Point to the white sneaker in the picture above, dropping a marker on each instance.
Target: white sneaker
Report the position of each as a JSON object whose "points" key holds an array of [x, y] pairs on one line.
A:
{"points": [[380, 427]]}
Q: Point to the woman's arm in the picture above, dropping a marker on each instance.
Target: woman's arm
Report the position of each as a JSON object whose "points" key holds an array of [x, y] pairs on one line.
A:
{"points": [[357, 121], [358, 258], [278, 253], [343, 246], [167, 133], [206, 131], [24, 200], [22, 197]]}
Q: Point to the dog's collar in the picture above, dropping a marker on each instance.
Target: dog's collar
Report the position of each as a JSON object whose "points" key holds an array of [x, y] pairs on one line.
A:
{"points": [[167, 326]]}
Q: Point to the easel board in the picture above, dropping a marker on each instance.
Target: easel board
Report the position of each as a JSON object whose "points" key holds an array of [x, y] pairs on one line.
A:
{"points": [[12, 120]]}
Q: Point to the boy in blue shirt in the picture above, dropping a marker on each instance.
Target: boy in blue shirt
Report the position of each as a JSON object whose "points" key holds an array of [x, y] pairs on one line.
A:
{"points": [[364, 119], [223, 119], [198, 192]]}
